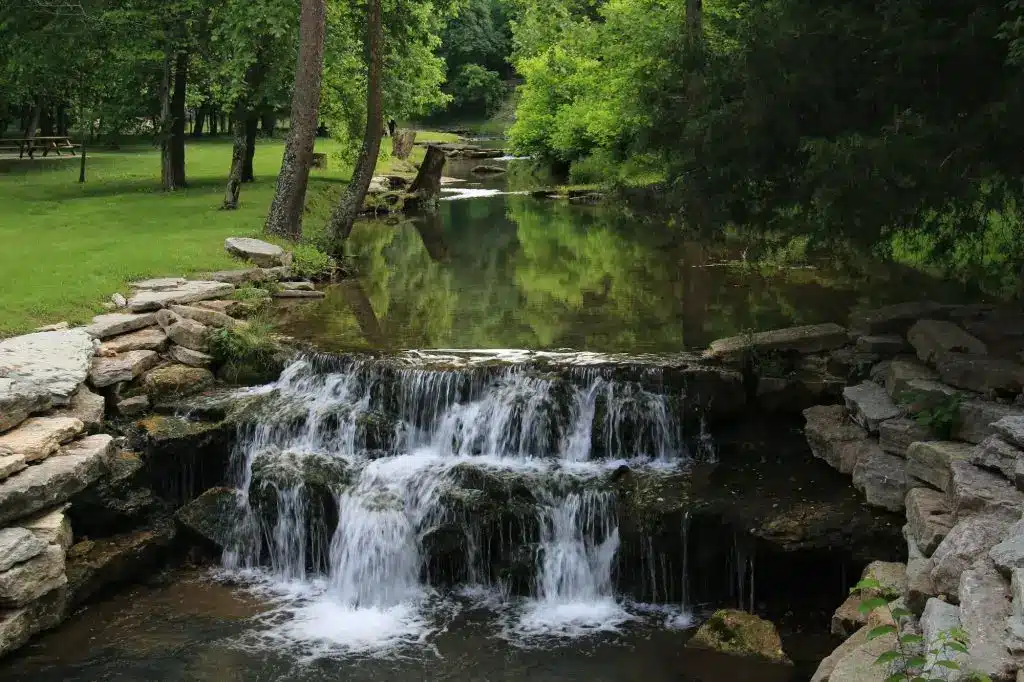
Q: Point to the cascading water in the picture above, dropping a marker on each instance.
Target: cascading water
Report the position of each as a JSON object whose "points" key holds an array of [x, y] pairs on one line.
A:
{"points": [[361, 478]]}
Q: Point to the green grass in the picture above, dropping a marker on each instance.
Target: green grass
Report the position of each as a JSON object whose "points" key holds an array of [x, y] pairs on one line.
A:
{"points": [[67, 247]]}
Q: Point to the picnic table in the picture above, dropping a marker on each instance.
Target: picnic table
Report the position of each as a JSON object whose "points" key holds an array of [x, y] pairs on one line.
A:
{"points": [[32, 144]]}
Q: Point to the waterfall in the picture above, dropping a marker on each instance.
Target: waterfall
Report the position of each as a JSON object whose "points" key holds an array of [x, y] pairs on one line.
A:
{"points": [[358, 475]]}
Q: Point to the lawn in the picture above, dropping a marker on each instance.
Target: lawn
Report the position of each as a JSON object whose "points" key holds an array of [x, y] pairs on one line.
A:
{"points": [[67, 247]]}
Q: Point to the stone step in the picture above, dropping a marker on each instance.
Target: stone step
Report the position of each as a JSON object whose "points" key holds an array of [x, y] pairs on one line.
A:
{"points": [[152, 338], [189, 292], [57, 362], [114, 324]]}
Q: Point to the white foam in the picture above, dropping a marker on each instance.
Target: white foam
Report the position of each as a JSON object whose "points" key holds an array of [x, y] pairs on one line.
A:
{"points": [[569, 619]]}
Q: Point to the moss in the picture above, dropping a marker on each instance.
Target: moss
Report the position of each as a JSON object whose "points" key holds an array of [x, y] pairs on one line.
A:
{"points": [[740, 634], [249, 354]]}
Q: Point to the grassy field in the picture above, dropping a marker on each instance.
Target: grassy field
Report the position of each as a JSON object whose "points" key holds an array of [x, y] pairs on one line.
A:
{"points": [[66, 247]]}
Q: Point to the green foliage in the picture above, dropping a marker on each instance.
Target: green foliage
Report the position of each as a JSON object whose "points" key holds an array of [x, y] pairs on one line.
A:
{"points": [[311, 263], [934, 411], [247, 354], [477, 90]]}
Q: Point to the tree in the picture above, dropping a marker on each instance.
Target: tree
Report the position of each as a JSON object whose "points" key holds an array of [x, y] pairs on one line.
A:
{"points": [[285, 217]]}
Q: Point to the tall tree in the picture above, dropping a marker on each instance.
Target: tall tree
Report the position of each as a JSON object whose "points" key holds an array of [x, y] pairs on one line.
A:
{"points": [[285, 217], [340, 225]]}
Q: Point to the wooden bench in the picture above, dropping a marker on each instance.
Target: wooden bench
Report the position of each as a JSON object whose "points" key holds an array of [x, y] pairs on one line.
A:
{"points": [[33, 144]]}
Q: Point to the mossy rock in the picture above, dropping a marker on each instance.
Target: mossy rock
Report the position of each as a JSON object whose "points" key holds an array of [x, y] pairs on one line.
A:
{"points": [[213, 516], [739, 633], [176, 381]]}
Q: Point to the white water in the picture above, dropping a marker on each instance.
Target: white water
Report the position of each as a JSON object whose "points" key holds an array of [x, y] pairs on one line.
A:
{"points": [[364, 591]]}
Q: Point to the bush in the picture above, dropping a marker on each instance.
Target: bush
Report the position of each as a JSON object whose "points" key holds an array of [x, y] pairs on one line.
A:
{"points": [[247, 354], [478, 90], [311, 263]]}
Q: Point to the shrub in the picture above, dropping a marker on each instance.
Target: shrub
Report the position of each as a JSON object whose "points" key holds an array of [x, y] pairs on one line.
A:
{"points": [[312, 263], [247, 354], [478, 90]]}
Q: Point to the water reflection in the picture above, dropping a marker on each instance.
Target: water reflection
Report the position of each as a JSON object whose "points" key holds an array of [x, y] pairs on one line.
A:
{"points": [[512, 271]]}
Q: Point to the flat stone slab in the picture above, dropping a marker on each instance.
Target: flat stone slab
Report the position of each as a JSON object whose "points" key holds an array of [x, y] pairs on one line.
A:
{"points": [[152, 338], [27, 581], [995, 454], [124, 367], [237, 277], [934, 338], [296, 286], [982, 373], [929, 518], [18, 545], [882, 478], [290, 293], [900, 372], [159, 283], [870, 405], [973, 490], [895, 436], [51, 526], [40, 437], [895, 319], [834, 438], [190, 292], [226, 307], [205, 316], [56, 361], [1011, 429], [969, 540], [808, 339], [113, 324], [187, 356], [885, 344], [976, 419], [11, 464], [54, 480], [18, 400], [984, 609], [261, 253], [930, 461]]}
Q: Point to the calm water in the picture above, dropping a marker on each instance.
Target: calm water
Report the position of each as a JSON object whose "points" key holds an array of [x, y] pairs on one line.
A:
{"points": [[511, 271]]}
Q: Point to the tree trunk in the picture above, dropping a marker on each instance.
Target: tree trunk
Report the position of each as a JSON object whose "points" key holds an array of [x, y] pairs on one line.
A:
{"points": [[427, 185], [46, 122], [166, 166], [252, 127], [197, 128], [178, 120], [402, 142], [285, 217], [238, 151], [62, 119], [268, 122], [340, 225], [213, 123], [695, 22]]}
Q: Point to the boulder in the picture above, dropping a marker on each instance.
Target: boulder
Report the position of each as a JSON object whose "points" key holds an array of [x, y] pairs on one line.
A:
{"points": [[892, 578], [901, 372], [834, 438], [11, 464], [920, 587], [18, 626], [51, 526], [928, 518], [190, 292], [184, 331], [136, 405], [739, 633], [152, 338], [213, 516], [995, 454], [969, 540], [881, 477], [289, 293], [829, 663], [984, 608], [1008, 555], [189, 357], [982, 373], [975, 419], [57, 362], [55, 479], [205, 316], [973, 490], [870, 405], [39, 437], [18, 545], [123, 367], [18, 400], [929, 462], [809, 339], [895, 319], [87, 406], [934, 338], [858, 665], [938, 619], [27, 581], [1011, 428], [159, 283], [236, 277], [895, 436], [261, 253], [114, 324], [176, 381]]}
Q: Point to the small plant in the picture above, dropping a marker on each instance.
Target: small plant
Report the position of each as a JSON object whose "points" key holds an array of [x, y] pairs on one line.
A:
{"points": [[937, 413], [909, 660], [249, 292], [311, 263], [247, 354]]}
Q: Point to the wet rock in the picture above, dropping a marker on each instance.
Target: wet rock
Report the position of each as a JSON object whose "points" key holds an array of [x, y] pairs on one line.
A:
{"points": [[928, 518], [895, 319], [716, 392], [920, 587], [118, 502], [18, 545], [19, 625], [969, 540], [984, 608], [885, 344], [190, 292], [901, 372], [808, 339], [995, 454], [55, 479], [834, 438], [982, 373], [176, 381], [238, 277], [183, 331], [57, 362], [51, 526], [975, 419], [205, 316], [892, 579], [941, 618], [87, 406], [930, 462], [1009, 554], [870, 405], [1011, 429], [18, 400], [213, 516], [740, 634], [27, 581], [39, 437], [95, 565], [974, 490], [261, 253], [797, 393], [189, 357], [881, 477], [114, 324], [895, 436], [934, 338], [182, 457], [136, 405], [152, 338], [121, 368]]}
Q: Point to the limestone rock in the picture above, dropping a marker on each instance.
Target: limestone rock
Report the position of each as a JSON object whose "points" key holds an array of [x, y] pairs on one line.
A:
{"points": [[1008, 555], [995, 454], [18, 545], [226, 307], [1017, 591], [982, 373], [920, 587], [11, 464], [51, 526], [809, 339], [87, 406], [940, 617], [151, 338], [1011, 429], [18, 626], [928, 518], [192, 358], [834, 438], [120, 368], [969, 540], [259, 252], [896, 435], [925, 393], [739, 633], [973, 490], [885, 345], [984, 608], [902, 372], [881, 477], [130, 407], [176, 381], [213, 516], [291, 293], [895, 319], [933, 338], [859, 664], [55, 479], [184, 331], [870, 405], [210, 318], [159, 283], [39, 437], [18, 400], [930, 461], [29, 580], [190, 292], [237, 277], [829, 663], [892, 578], [113, 324], [57, 362], [120, 502], [281, 273], [118, 300], [296, 286], [975, 419]]}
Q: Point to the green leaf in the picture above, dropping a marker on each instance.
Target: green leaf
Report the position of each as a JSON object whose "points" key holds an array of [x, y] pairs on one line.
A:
{"points": [[887, 657], [951, 665], [956, 646], [880, 631], [899, 612], [869, 605], [915, 661], [910, 639], [896, 677]]}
